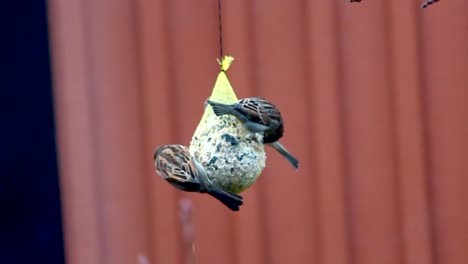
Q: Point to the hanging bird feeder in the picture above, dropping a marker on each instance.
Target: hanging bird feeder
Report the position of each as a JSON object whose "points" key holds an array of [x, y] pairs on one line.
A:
{"points": [[232, 156]]}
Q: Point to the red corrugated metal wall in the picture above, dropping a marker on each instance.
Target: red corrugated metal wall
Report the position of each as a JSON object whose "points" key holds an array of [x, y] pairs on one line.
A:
{"points": [[374, 95]]}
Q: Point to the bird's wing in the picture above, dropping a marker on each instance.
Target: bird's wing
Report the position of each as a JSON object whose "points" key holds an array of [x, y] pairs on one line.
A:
{"points": [[259, 110], [176, 163]]}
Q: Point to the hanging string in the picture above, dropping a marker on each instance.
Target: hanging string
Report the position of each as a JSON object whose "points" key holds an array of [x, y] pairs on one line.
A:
{"points": [[220, 31], [428, 2]]}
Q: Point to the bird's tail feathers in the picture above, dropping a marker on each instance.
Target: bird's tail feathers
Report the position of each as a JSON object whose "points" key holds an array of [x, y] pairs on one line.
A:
{"points": [[221, 109], [282, 150], [231, 200]]}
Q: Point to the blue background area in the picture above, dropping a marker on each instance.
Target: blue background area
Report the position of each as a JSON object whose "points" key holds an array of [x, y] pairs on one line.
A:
{"points": [[30, 216]]}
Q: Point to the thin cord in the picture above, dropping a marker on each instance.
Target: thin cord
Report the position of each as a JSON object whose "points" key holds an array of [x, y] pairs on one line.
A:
{"points": [[220, 31]]}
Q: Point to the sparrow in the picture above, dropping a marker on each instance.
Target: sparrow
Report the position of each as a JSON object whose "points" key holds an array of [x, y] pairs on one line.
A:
{"points": [[175, 164], [259, 116]]}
